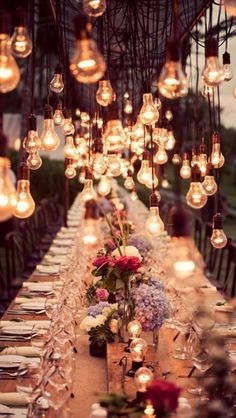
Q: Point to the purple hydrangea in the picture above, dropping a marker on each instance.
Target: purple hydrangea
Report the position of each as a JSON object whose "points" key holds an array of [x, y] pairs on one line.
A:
{"points": [[151, 305], [97, 309], [141, 243]]}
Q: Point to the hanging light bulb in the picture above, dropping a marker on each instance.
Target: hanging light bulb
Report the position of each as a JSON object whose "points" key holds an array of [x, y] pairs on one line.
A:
{"points": [[209, 183], [34, 160], [128, 108], [32, 142], [7, 189], [104, 186], [170, 143], [138, 129], [218, 238], [154, 225], [207, 91], [21, 44], [98, 161], [70, 171], [143, 378], [94, 8], [58, 117], [69, 149], [89, 231], [165, 184], [152, 180], [68, 127], [114, 136], [88, 191], [149, 115], [212, 74], [24, 202], [82, 175], [133, 195], [87, 64], [195, 159], [113, 164], [9, 71], [49, 139], [196, 197], [157, 103], [161, 156], [172, 82], [202, 159], [216, 158], [104, 95], [169, 115], [81, 144], [227, 69], [176, 159], [129, 182], [143, 173], [185, 171], [56, 84]]}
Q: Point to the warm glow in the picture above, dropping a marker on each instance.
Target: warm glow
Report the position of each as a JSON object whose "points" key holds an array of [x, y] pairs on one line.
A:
{"points": [[24, 202], [154, 224]]}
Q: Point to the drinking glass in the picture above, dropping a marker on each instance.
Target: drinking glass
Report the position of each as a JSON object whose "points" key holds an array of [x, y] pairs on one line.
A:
{"points": [[28, 381]]}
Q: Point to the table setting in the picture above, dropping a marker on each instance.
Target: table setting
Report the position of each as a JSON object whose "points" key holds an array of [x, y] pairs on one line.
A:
{"points": [[86, 333]]}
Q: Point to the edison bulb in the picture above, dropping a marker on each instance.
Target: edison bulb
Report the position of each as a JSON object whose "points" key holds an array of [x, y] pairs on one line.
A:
{"points": [[227, 72], [172, 82], [138, 349], [88, 191], [68, 127], [196, 197], [202, 163], [161, 156], [170, 143], [114, 135], [56, 84], [69, 149], [34, 160], [82, 175], [143, 173], [49, 139], [70, 171], [212, 73], [128, 108], [87, 65], [134, 328], [104, 95], [32, 142], [113, 165], [207, 91], [9, 71], [7, 191], [185, 171], [89, 233], [154, 225], [169, 115], [216, 158], [133, 196], [21, 43], [98, 164], [152, 180], [209, 185], [218, 238], [24, 202], [165, 184], [94, 8], [157, 103], [143, 378], [138, 129], [129, 183], [149, 114], [58, 117], [104, 186]]}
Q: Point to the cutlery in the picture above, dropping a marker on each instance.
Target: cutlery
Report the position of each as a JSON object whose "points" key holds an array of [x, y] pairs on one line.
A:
{"points": [[24, 312], [13, 374], [16, 337]]}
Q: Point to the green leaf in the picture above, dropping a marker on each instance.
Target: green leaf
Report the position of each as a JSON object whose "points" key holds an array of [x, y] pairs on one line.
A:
{"points": [[2, 348]]}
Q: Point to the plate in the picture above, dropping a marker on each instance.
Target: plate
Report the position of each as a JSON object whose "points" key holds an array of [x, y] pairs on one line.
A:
{"points": [[33, 306], [20, 329], [11, 361]]}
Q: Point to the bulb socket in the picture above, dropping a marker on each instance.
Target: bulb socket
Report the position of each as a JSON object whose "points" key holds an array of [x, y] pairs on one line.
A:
{"points": [[58, 69], [5, 22], [185, 156], [196, 174], [58, 105], [91, 210], [215, 138], [32, 123], [202, 149], [210, 169], [69, 162], [66, 113], [173, 50], [134, 367], [211, 47], [140, 397], [217, 221], [88, 174], [24, 172], [226, 58], [145, 155], [47, 111], [129, 173], [20, 17], [113, 111], [83, 27], [97, 146], [153, 200], [3, 145]]}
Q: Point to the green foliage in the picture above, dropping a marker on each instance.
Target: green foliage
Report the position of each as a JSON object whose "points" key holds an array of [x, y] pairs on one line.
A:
{"points": [[100, 335], [118, 405]]}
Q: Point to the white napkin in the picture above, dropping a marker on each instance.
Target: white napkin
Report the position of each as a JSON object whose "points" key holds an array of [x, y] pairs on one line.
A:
{"points": [[58, 250], [62, 242], [41, 287], [16, 412], [49, 259], [35, 306], [26, 351], [9, 360], [12, 398], [226, 308], [36, 323], [23, 299], [17, 329], [226, 330], [47, 269]]}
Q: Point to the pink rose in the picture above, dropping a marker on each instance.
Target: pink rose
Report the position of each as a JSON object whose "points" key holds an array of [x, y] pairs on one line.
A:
{"points": [[102, 260], [102, 294], [163, 396], [127, 263]]}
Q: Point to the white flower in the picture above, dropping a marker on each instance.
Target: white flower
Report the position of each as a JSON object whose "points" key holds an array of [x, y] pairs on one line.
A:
{"points": [[129, 250], [92, 322], [109, 310], [113, 325]]}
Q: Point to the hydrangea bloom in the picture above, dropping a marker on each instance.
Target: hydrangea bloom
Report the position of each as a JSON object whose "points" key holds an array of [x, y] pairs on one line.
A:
{"points": [[97, 309], [141, 243]]}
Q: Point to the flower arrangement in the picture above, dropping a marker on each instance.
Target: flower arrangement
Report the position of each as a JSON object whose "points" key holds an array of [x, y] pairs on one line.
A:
{"points": [[151, 306], [163, 397]]}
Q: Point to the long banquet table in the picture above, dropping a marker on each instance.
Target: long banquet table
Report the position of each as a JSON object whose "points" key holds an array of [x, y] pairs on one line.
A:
{"points": [[90, 377]]}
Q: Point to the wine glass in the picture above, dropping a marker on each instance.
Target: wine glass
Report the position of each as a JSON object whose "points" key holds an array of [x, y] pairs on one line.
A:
{"points": [[202, 362], [28, 381]]}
